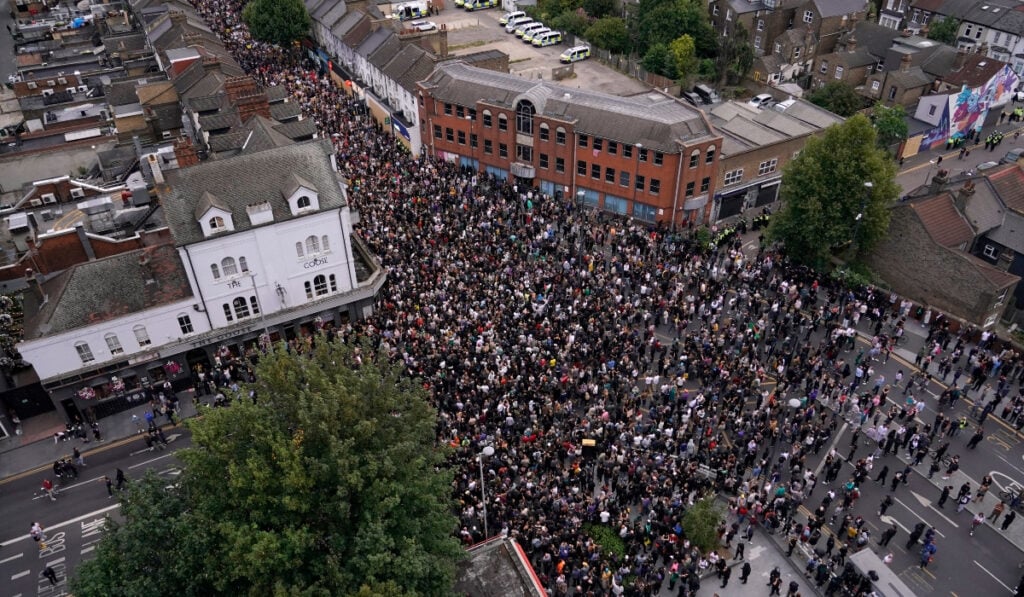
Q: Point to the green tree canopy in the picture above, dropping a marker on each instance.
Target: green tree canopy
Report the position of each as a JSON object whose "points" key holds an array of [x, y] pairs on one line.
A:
{"points": [[700, 523], [664, 21], [609, 33], [684, 56], [659, 60], [838, 97], [890, 124], [331, 484], [943, 30], [277, 21], [572, 22], [823, 192], [735, 55], [599, 8]]}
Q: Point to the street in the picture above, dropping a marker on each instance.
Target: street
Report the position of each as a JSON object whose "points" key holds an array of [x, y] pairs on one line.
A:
{"points": [[74, 523]]}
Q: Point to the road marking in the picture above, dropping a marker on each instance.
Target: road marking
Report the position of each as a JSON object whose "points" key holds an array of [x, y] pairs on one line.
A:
{"points": [[63, 524], [145, 462], [88, 549], [891, 520], [927, 504], [821, 465], [46, 467], [911, 510], [55, 562], [11, 559], [993, 576], [25, 573], [68, 487]]}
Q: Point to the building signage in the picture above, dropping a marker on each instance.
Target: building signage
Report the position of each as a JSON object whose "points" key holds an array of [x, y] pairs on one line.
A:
{"points": [[315, 262]]}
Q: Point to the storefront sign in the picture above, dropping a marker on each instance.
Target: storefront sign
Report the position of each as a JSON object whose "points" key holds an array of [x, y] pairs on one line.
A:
{"points": [[315, 262]]}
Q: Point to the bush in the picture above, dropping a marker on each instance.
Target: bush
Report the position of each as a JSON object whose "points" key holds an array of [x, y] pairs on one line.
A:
{"points": [[607, 539], [700, 523]]}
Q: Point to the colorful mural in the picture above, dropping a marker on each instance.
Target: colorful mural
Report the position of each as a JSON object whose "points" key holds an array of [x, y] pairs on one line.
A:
{"points": [[966, 111]]}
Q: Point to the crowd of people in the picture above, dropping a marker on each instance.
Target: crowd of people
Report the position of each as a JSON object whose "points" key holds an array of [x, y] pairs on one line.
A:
{"points": [[537, 324]]}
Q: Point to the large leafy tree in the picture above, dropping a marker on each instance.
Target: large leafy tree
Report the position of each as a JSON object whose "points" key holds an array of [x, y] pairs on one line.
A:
{"points": [[664, 21], [735, 55], [609, 33], [890, 124], [944, 30], [277, 21], [838, 97], [823, 193], [329, 483], [684, 55]]}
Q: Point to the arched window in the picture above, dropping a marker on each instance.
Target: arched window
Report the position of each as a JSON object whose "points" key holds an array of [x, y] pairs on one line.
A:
{"points": [[228, 265], [241, 308], [334, 283], [325, 244], [524, 117], [298, 250], [694, 158], [242, 265], [487, 119], [84, 352], [215, 270], [114, 344], [303, 202], [312, 245], [320, 285], [141, 335], [216, 223], [255, 304], [502, 122], [545, 133], [227, 312], [710, 157]]}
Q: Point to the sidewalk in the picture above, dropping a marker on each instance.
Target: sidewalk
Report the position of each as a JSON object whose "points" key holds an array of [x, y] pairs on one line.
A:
{"points": [[43, 451]]}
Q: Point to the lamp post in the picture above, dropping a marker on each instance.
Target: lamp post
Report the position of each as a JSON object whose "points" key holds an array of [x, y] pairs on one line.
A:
{"points": [[472, 148], [868, 186], [487, 452]]}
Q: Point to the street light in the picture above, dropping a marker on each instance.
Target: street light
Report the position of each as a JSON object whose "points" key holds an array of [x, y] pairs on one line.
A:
{"points": [[472, 148], [487, 452], [868, 186]]}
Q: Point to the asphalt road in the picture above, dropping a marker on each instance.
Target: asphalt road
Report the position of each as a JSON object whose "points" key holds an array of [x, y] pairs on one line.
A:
{"points": [[74, 523]]}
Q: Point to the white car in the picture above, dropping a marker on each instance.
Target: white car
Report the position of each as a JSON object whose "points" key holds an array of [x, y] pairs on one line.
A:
{"points": [[423, 25], [761, 100]]}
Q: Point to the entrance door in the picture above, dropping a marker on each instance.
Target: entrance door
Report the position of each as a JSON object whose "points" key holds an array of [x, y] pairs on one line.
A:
{"points": [[731, 205], [71, 410]]}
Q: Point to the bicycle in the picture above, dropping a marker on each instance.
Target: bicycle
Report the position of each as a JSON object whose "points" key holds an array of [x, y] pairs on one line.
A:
{"points": [[1013, 495]]}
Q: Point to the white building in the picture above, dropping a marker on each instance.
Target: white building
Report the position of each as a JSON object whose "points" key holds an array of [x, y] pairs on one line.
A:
{"points": [[263, 244]]}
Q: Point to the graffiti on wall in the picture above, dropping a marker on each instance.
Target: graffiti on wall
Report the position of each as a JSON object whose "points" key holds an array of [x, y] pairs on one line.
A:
{"points": [[966, 111]]}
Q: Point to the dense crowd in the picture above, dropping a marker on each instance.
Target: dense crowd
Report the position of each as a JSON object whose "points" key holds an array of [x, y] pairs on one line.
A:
{"points": [[696, 370]]}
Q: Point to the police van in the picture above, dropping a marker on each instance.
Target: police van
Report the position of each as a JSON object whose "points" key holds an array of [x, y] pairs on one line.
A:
{"points": [[551, 38], [575, 54], [472, 5], [508, 16], [528, 27], [528, 36], [514, 24]]}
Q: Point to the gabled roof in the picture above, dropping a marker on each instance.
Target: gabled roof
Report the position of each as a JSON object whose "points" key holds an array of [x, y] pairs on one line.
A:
{"points": [[297, 129], [836, 8], [208, 201], [157, 93], [1008, 182], [943, 221], [255, 135], [911, 78], [978, 70], [293, 183], [283, 111]]}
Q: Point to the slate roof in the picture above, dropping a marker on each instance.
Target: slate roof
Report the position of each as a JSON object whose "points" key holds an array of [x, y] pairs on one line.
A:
{"points": [[943, 221], [104, 289], [835, 8], [1009, 185], [656, 120], [983, 209], [297, 129], [247, 179], [220, 120], [207, 103], [156, 93], [276, 93], [911, 78], [1010, 233], [857, 58], [282, 111], [978, 69]]}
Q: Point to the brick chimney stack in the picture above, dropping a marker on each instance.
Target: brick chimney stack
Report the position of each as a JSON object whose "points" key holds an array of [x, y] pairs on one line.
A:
{"points": [[236, 87], [185, 152], [905, 63], [251, 105]]}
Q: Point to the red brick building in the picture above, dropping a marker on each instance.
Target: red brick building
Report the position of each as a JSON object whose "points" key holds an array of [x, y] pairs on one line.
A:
{"points": [[648, 156]]}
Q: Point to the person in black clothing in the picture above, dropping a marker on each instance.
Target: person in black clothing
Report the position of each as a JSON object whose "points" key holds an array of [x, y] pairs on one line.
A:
{"points": [[880, 479], [50, 575], [887, 535], [725, 576], [945, 495], [884, 505], [745, 572], [1008, 519], [915, 534]]}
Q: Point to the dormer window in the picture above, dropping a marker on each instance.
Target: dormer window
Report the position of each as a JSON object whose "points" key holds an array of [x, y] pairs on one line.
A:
{"points": [[300, 194], [303, 202], [216, 223], [213, 215]]}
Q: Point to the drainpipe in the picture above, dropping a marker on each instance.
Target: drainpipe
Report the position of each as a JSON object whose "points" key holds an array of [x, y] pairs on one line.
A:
{"points": [[199, 287]]}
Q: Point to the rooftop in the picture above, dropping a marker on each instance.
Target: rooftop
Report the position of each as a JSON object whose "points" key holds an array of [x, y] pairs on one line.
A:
{"points": [[1008, 183], [497, 567], [943, 221]]}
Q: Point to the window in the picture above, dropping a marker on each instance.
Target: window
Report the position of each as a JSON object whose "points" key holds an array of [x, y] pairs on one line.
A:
{"points": [[241, 308], [215, 271], [185, 323], [255, 304], [488, 146], [757, 42], [227, 312], [796, 53], [892, 92], [298, 250], [460, 111], [778, 48], [559, 164], [595, 171], [995, 40], [473, 140], [437, 131], [694, 158], [544, 161], [990, 251], [303, 202], [689, 188], [114, 344], [320, 285], [243, 265], [967, 30], [1001, 297], [808, 16], [641, 182], [767, 166], [141, 335], [461, 136], [560, 136], [309, 290], [228, 265], [449, 134], [545, 133], [502, 122], [84, 352], [524, 153], [644, 212], [978, 34], [503, 150], [584, 141], [839, 72], [581, 168], [216, 223], [312, 245], [709, 157], [613, 148], [705, 184], [655, 186], [659, 158], [642, 156], [824, 67], [609, 175], [714, 9], [598, 144], [875, 85], [624, 178], [734, 176], [524, 117], [627, 151], [760, 24], [334, 283], [448, 109], [487, 118]]}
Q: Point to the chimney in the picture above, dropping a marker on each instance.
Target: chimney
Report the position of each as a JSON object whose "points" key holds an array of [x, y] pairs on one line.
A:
{"points": [[960, 60], [154, 165], [905, 63], [938, 181], [83, 238], [33, 282], [964, 195], [185, 152], [211, 64], [851, 43], [250, 105], [177, 17], [983, 49], [236, 87], [147, 269]]}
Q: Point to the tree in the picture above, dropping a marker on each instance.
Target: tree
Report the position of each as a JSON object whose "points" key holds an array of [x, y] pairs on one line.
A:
{"points": [[838, 97], [599, 8], [663, 21], [572, 22], [609, 33], [659, 60], [890, 124], [700, 523], [277, 21], [826, 207], [329, 483], [735, 55], [944, 30], [684, 56]]}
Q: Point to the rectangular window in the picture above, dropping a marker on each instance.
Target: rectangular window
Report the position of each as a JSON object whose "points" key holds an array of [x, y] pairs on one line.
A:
{"points": [[659, 158], [613, 148], [544, 161], [598, 144], [824, 67], [560, 165], [142, 336], [655, 186], [990, 251], [760, 24], [584, 141], [524, 153], [609, 175], [839, 72], [462, 137], [448, 109], [488, 146], [473, 140], [796, 53], [502, 122], [714, 9], [757, 42], [778, 47], [545, 133], [705, 184], [624, 178], [689, 188], [875, 85], [84, 352], [471, 112], [560, 136], [437, 131], [733, 177], [644, 212], [460, 111], [503, 150], [767, 166], [487, 119], [185, 324], [449, 134], [581, 168], [627, 151], [114, 344], [641, 182], [808, 16], [643, 154], [595, 171]]}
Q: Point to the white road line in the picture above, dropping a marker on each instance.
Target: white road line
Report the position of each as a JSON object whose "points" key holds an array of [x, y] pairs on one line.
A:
{"points": [[911, 510], [12, 558], [88, 549], [63, 524], [55, 562], [144, 462], [25, 573], [993, 576]]}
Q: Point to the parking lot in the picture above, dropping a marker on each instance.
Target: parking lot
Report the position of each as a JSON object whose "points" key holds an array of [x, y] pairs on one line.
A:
{"points": [[470, 32]]}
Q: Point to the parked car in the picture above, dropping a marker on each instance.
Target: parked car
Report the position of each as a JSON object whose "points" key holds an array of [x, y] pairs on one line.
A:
{"points": [[575, 54], [707, 94], [1012, 156], [761, 100], [529, 36], [508, 16], [423, 25], [550, 38]]}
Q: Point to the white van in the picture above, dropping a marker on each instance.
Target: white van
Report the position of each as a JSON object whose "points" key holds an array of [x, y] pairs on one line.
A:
{"points": [[508, 16], [514, 24], [529, 36], [575, 54], [528, 27], [550, 38]]}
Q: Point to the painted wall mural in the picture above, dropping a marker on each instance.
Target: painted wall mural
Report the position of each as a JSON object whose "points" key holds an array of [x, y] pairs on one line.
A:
{"points": [[967, 110]]}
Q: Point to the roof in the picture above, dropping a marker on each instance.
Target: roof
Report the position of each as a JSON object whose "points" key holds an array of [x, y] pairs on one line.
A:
{"points": [[208, 201], [983, 209], [282, 111], [858, 57], [836, 8], [943, 221], [910, 78], [1010, 232], [297, 129], [157, 93], [255, 135], [977, 70], [247, 179], [745, 128], [1008, 183], [653, 119], [104, 289], [497, 567]]}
